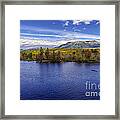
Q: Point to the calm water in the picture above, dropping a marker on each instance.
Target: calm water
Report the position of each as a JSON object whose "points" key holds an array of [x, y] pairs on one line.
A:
{"points": [[59, 81]]}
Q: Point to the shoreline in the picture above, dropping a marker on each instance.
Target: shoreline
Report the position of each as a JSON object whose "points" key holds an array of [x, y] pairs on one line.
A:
{"points": [[56, 62]]}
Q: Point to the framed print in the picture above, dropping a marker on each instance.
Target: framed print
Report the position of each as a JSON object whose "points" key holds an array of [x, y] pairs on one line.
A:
{"points": [[59, 59]]}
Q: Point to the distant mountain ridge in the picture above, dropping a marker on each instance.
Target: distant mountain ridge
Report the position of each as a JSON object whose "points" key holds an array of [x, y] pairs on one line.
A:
{"points": [[70, 43], [81, 44]]}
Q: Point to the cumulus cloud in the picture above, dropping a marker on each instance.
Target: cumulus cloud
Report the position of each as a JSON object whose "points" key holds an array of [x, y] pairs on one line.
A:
{"points": [[66, 23], [77, 22]]}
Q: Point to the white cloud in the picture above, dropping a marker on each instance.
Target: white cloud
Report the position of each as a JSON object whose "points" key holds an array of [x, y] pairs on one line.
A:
{"points": [[37, 29], [38, 35], [56, 34], [87, 22], [97, 23], [26, 43], [66, 23], [63, 35], [32, 43], [77, 22]]}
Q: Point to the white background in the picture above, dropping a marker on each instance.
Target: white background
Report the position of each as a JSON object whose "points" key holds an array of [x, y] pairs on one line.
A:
{"points": [[13, 104]]}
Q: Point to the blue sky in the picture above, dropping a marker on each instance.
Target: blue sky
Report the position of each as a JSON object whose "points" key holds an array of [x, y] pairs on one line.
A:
{"points": [[57, 30]]}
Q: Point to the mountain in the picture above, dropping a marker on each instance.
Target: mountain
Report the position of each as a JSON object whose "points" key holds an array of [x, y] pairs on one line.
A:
{"points": [[68, 43], [81, 44]]}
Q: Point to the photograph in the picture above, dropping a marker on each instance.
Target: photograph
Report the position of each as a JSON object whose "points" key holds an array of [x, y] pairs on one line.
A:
{"points": [[60, 59]]}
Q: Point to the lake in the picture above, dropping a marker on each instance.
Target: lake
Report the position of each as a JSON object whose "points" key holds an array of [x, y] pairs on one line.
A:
{"points": [[59, 81]]}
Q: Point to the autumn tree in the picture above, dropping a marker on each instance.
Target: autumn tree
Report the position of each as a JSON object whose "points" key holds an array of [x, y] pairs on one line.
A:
{"points": [[40, 55], [78, 55], [30, 56], [23, 56], [59, 56], [53, 56], [87, 54], [47, 53]]}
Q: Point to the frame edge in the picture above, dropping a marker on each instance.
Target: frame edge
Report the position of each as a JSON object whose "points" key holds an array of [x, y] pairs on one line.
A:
{"points": [[2, 62]]}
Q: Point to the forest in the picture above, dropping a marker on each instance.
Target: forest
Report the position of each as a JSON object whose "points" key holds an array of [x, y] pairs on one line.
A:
{"points": [[59, 55]]}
